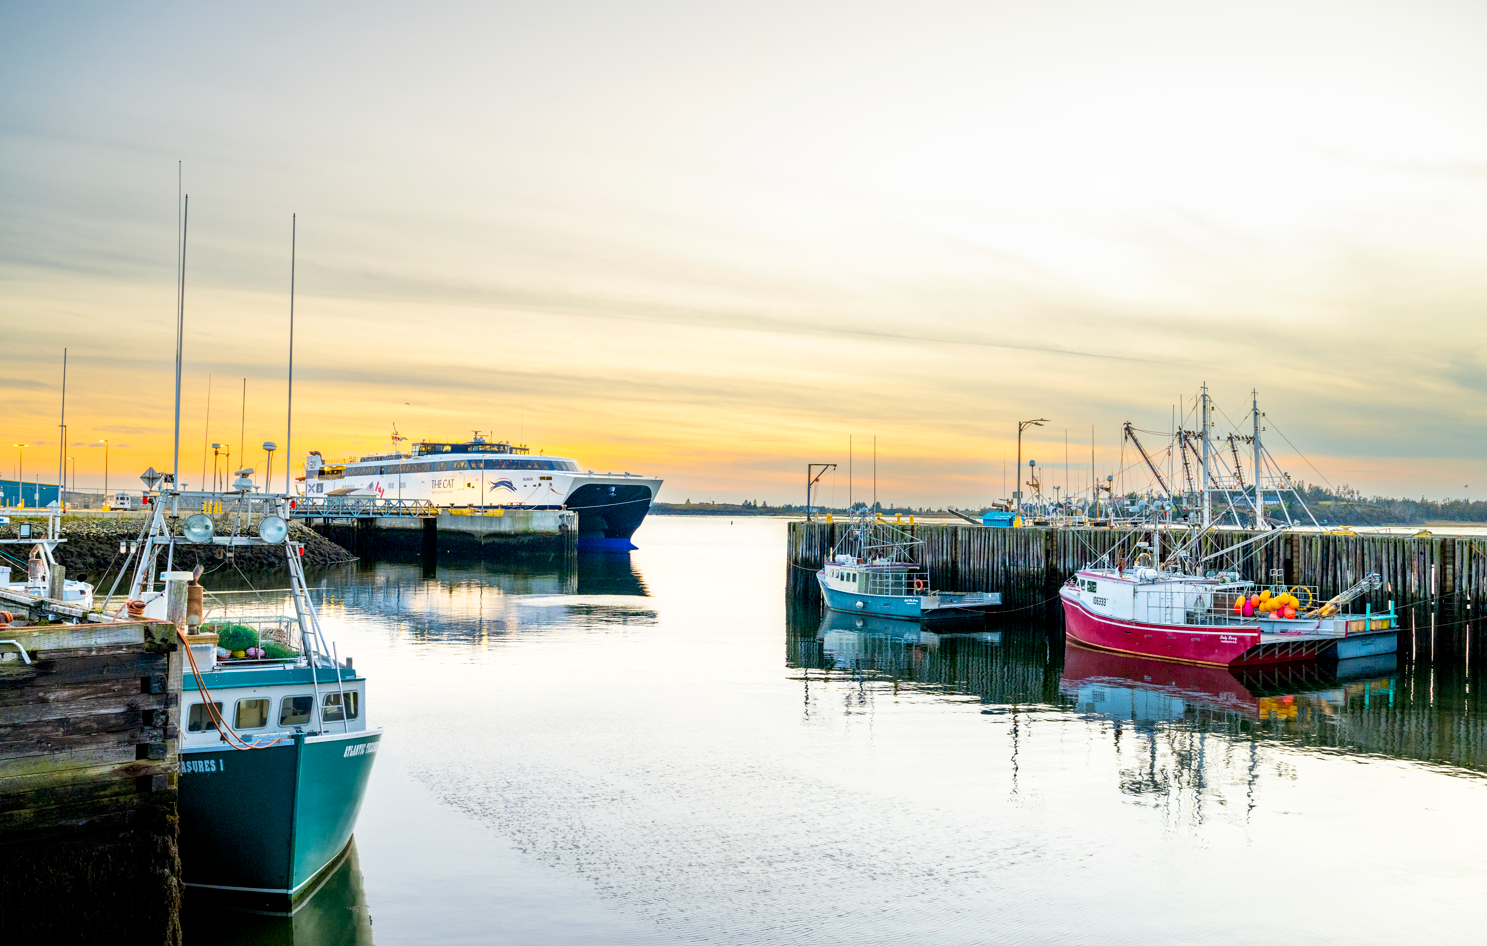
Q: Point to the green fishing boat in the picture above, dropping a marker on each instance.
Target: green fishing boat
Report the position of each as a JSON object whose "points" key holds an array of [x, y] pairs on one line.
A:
{"points": [[275, 748]]}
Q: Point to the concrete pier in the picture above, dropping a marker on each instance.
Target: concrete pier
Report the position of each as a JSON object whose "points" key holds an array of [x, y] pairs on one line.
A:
{"points": [[492, 532]]}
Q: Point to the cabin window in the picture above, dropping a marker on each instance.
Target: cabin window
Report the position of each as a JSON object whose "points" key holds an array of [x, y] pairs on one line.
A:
{"points": [[201, 718], [296, 710], [332, 711], [251, 714]]}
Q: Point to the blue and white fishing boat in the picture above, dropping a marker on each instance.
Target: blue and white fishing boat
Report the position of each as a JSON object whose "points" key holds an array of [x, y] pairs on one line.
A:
{"points": [[874, 570], [275, 748]]}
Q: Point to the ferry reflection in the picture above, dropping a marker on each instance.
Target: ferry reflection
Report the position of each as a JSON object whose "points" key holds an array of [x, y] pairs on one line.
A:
{"points": [[335, 914], [1146, 692], [481, 601]]}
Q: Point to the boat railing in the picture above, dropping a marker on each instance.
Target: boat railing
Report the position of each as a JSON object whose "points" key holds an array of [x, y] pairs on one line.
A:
{"points": [[895, 582]]}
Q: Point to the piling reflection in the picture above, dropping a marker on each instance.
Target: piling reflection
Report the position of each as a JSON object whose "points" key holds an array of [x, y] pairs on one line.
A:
{"points": [[998, 667], [335, 914], [1385, 706]]}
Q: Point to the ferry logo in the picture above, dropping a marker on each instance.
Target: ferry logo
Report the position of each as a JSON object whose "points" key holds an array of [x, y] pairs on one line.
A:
{"points": [[503, 484]]}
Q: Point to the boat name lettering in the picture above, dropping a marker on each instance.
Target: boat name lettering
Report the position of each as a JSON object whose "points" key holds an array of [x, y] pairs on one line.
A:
{"points": [[361, 748], [1227, 639], [204, 765], [444, 484]]}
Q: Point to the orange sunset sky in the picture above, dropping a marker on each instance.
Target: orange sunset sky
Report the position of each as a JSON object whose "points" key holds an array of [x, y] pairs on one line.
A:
{"points": [[711, 242]]}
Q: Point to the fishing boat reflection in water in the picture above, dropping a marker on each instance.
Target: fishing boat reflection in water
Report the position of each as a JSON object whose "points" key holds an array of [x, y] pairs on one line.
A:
{"points": [[1146, 691], [334, 915]]}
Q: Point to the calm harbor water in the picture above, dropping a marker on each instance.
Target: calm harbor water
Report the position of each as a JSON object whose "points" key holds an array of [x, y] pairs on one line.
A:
{"points": [[654, 749]]}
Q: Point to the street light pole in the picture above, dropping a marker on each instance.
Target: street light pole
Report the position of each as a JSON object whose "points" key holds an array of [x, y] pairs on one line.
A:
{"points": [[1021, 426], [105, 469], [20, 472]]}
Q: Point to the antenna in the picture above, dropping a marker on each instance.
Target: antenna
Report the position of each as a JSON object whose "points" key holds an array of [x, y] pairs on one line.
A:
{"points": [[289, 421], [175, 468], [206, 434], [242, 425]]}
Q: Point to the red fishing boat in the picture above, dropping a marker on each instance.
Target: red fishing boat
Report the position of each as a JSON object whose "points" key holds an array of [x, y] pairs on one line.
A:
{"points": [[1217, 620]]}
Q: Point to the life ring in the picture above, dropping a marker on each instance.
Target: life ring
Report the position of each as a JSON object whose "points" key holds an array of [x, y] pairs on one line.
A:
{"points": [[918, 584]]}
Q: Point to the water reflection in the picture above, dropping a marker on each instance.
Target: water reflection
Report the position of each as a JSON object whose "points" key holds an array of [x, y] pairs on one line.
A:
{"points": [[1376, 705], [476, 600], [996, 666], [335, 914]]}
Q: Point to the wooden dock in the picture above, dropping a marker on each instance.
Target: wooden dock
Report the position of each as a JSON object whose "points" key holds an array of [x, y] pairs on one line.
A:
{"points": [[1027, 565], [88, 763]]}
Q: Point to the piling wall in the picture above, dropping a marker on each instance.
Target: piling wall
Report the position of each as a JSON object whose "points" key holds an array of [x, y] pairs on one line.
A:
{"points": [[1434, 573], [88, 762]]}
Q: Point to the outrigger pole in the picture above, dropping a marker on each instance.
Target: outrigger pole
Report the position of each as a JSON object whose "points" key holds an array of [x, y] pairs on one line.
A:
{"points": [[1131, 433]]}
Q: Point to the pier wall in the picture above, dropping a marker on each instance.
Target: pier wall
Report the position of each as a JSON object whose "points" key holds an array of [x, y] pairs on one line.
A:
{"points": [[496, 533], [1027, 565], [88, 766]]}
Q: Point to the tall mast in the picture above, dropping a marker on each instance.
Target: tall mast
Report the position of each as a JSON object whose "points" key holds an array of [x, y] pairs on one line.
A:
{"points": [[1207, 496], [1259, 500], [175, 467], [62, 450], [289, 421]]}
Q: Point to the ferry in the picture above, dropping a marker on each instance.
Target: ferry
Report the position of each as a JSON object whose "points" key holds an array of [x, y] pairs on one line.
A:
{"points": [[873, 571], [1215, 619], [275, 746], [610, 506]]}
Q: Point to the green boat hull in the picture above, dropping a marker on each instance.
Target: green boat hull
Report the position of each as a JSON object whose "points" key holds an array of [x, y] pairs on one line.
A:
{"points": [[269, 821]]}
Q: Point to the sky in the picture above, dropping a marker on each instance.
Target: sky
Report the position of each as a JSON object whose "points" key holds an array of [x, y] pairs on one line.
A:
{"points": [[716, 242]]}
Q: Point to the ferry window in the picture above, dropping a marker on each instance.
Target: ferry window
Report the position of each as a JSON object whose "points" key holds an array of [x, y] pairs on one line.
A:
{"points": [[296, 710], [332, 711], [201, 719], [251, 714]]}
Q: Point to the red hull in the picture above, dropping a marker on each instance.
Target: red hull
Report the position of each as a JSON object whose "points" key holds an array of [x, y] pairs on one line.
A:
{"points": [[1189, 645]]}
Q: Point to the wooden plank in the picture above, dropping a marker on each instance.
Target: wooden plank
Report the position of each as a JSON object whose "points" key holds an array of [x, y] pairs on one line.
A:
{"points": [[133, 768], [72, 793], [74, 813], [65, 759], [50, 670], [17, 751], [64, 636], [105, 698]]}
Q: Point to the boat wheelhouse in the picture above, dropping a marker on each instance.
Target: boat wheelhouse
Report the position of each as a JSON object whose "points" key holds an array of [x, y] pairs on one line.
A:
{"points": [[873, 570], [478, 473]]}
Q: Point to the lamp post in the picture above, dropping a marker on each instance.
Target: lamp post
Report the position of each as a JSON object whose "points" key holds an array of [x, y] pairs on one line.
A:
{"points": [[20, 472], [1021, 426], [73, 461], [216, 451], [105, 467]]}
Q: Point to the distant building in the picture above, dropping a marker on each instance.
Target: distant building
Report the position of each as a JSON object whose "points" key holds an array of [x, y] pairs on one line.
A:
{"points": [[34, 495]]}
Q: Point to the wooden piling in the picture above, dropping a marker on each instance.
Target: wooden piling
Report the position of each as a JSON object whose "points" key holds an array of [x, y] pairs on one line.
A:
{"points": [[1432, 574], [88, 763]]}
